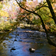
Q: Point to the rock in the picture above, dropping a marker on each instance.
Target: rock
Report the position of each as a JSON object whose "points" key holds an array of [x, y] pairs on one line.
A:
{"points": [[51, 37], [12, 49], [32, 50], [15, 40], [10, 29]]}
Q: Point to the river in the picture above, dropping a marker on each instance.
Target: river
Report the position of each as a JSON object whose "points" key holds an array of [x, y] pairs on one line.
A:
{"points": [[18, 42]]}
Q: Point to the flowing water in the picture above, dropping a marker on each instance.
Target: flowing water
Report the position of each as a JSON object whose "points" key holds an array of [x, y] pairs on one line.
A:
{"points": [[18, 42]]}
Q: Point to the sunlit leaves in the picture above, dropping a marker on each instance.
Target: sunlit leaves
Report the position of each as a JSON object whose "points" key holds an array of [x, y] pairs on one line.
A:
{"points": [[8, 14], [45, 14], [1, 5], [37, 22], [3, 13], [23, 3]]}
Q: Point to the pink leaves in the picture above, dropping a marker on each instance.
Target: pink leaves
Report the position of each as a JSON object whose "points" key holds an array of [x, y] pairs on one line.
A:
{"points": [[13, 17], [15, 13]]}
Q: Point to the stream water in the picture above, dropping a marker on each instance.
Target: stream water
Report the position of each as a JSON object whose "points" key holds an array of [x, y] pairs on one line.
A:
{"points": [[18, 42]]}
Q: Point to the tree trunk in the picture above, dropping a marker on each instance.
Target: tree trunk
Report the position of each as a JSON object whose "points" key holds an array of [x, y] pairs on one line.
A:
{"points": [[51, 10]]}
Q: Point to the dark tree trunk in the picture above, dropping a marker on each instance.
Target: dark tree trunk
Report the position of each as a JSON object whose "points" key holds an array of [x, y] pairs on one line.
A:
{"points": [[1, 0], [51, 10]]}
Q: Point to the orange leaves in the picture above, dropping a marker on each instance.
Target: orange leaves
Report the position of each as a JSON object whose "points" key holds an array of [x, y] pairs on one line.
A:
{"points": [[21, 16], [47, 27], [11, 24]]}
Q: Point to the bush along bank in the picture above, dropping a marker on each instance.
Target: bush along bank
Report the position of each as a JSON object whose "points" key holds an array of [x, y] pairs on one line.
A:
{"points": [[8, 26]]}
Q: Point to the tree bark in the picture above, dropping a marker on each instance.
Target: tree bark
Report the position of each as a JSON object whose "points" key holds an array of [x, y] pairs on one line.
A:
{"points": [[51, 10]]}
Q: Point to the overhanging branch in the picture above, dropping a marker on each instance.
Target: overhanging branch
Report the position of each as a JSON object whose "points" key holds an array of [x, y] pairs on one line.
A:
{"points": [[41, 7], [48, 38]]}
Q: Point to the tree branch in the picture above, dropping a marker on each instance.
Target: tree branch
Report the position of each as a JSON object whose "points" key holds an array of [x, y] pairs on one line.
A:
{"points": [[41, 7], [48, 38], [45, 14]]}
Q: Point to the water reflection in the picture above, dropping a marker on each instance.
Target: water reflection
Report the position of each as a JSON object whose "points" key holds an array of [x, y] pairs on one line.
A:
{"points": [[25, 39]]}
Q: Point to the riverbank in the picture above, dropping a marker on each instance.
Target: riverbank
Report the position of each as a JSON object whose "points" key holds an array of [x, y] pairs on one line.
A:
{"points": [[24, 26], [9, 28], [34, 27]]}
